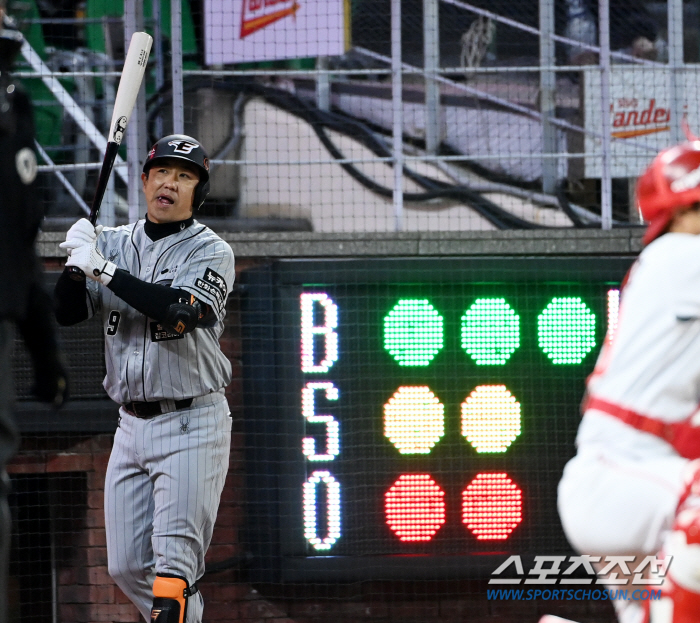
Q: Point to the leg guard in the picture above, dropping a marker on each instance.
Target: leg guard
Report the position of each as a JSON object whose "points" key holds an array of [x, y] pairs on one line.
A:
{"points": [[170, 593], [680, 592]]}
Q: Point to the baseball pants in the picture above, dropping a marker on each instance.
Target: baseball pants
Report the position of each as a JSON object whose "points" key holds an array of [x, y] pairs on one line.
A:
{"points": [[615, 505], [162, 491]]}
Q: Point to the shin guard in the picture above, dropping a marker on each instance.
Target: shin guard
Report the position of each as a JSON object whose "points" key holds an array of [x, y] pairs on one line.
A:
{"points": [[680, 592], [170, 593]]}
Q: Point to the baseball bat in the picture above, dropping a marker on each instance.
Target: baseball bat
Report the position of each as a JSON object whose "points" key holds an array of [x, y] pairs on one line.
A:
{"points": [[129, 85]]}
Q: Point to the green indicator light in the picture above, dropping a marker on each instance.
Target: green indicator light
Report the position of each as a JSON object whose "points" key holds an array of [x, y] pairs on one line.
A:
{"points": [[566, 330], [413, 332], [490, 332]]}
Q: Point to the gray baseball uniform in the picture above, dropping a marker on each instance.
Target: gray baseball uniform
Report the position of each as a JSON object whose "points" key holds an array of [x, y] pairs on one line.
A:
{"points": [[165, 473]]}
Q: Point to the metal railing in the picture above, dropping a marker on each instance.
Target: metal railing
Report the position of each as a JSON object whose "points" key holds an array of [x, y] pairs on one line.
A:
{"points": [[405, 150]]}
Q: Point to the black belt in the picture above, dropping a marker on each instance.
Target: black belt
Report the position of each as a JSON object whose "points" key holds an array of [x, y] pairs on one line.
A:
{"points": [[147, 410]]}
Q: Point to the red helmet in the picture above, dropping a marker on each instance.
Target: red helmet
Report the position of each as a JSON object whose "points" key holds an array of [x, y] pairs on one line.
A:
{"points": [[670, 183]]}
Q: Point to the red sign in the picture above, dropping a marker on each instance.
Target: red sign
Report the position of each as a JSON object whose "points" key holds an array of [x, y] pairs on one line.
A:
{"points": [[634, 122], [257, 14]]}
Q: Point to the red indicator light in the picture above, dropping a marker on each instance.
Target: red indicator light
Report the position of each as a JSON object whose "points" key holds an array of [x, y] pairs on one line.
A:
{"points": [[492, 506], [415, 507]]}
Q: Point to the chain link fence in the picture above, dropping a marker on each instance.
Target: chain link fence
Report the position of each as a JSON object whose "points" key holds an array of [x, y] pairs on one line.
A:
{"points": [[381, 115], [360, 116]]}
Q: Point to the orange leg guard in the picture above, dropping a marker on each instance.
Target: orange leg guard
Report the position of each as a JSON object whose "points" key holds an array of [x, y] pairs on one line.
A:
{"points": [[169, 600]]}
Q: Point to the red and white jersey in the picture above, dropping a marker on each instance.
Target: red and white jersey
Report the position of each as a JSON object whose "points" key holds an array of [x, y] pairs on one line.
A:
{"points": [[652, 366]]}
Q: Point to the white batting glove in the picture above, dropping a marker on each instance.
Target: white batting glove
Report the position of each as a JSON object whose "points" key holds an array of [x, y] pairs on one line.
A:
{"points": [[82, 232], [90, 260]]}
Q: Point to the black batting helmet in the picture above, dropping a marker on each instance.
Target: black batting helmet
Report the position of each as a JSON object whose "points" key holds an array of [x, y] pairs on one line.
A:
{"points": [[183, 147]]}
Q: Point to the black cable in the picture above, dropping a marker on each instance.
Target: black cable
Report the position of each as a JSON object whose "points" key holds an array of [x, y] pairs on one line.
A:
{"points": [[488, 174], [471, 165], [497, 178], [566, 207], [321, 120]]}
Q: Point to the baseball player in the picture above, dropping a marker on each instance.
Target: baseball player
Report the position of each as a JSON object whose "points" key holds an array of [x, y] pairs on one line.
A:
{"points": [[633, 487], [24, 303], [160, 285]]}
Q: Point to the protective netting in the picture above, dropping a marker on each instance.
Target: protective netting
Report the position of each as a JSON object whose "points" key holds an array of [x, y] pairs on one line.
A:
{"points": [[399, 426], [498, 122]]}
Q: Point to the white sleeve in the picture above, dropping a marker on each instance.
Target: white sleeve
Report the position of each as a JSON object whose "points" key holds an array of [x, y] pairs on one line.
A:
{"points": [[685, 282], [208, 275], [670, 268]]}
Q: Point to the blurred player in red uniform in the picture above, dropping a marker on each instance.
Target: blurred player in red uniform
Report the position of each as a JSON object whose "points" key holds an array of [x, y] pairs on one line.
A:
{"points": [[633, 487]]}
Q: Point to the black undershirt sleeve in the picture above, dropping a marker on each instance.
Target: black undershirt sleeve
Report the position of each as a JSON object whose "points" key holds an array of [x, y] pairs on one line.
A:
{"points": [[69, 298], [151, 299]]}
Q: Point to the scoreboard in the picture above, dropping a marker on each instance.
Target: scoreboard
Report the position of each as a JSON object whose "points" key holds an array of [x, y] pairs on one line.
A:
{"points": [[410, 418]]}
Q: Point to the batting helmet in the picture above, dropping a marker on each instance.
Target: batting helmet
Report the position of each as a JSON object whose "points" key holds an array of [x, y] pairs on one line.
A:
{"points": [[183, 147], [670, 184]]}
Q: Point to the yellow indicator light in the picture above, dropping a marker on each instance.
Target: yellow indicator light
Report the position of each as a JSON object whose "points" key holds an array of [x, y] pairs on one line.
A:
{"points": [[414, 419], [490, 418]]}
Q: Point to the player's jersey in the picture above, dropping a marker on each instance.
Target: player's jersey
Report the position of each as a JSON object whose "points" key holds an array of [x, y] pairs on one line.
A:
{"points": [[653, 365], [145, 362]]}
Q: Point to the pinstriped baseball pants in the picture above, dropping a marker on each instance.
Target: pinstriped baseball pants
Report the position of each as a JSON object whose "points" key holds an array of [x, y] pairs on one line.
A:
{"points": [[162, 491]]}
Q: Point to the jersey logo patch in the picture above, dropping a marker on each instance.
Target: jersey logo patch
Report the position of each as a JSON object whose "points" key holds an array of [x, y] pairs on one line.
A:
{"points": [[184, 424], [160, 334], [215, 285]]}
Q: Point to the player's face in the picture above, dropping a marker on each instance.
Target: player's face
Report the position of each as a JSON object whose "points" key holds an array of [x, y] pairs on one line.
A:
{"points": [[169, 189], [687, 221]]}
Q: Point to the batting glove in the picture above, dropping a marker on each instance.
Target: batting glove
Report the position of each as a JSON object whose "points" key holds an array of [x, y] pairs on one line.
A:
{"points": [[90, 260], [82, 232]]}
